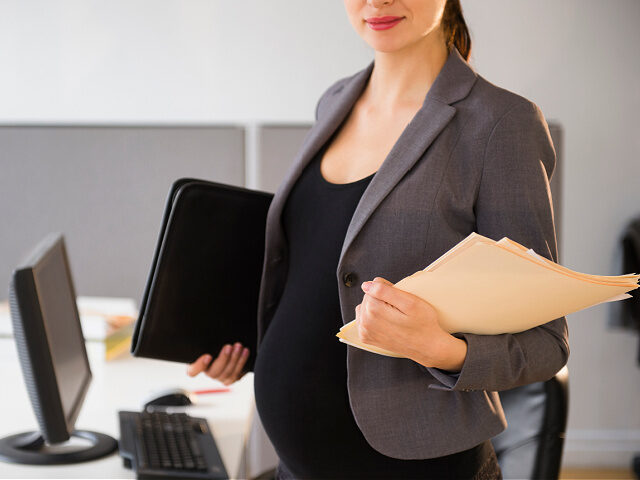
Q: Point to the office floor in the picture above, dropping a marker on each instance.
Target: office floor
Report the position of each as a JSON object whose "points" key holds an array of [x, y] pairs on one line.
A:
{"points": [[593, 474]]}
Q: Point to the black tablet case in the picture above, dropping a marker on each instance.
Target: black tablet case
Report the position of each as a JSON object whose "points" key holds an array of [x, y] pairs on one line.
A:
{"points": [[202, 290]]}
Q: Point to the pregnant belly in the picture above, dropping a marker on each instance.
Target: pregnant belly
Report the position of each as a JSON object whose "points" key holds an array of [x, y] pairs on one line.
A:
{"points": [[301, 386]]}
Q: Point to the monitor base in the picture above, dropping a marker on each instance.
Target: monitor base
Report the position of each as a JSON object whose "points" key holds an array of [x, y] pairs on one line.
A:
{"points": [[29, 448]]}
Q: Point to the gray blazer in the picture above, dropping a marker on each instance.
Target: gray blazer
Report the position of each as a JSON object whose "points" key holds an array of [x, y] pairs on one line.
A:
{"points": [[474, 158]]}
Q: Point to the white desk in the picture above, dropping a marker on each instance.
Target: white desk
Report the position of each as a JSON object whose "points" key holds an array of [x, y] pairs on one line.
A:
{"points": [[122, 384]]}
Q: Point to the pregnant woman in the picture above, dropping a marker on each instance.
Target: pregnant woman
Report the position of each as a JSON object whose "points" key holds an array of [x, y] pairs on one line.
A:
{"points": [[407, 157]]}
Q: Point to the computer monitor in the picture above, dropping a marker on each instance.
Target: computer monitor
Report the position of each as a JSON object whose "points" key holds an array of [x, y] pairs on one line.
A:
{"points": [[53, 357]]}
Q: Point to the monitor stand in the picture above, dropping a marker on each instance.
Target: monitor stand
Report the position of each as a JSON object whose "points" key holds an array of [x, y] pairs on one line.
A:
{"points": [[30, 448]]}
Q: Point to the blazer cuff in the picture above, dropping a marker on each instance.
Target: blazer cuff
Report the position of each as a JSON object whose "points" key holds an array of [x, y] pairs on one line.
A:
{"points": [[447, 380], [450, 380]]}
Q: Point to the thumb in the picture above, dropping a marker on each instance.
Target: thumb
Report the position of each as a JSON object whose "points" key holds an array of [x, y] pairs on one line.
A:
{"points": [[383, 280], [199, 365]]}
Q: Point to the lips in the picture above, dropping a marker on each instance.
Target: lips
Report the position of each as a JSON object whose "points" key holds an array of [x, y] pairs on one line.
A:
{"points": [[382, 20], [382, 23]]}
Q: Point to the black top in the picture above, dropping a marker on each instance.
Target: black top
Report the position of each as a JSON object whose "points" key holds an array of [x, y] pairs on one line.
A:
{"points": [[301, 368]]}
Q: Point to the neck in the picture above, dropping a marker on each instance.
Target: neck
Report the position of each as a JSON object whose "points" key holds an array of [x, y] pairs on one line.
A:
{"points": [[405, 76]]}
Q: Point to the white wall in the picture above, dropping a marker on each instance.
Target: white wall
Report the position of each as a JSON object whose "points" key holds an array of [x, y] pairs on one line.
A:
{"points": [[170, 60], [140, 61]]}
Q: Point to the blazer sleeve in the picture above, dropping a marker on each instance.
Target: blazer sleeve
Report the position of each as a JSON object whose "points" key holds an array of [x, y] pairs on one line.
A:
{"points": [[514, 200]]}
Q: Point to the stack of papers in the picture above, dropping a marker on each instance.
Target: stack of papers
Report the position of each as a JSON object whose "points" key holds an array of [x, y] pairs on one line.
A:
{"points": [[101, 316], [103, 319], [109, 320], [486, 287]]}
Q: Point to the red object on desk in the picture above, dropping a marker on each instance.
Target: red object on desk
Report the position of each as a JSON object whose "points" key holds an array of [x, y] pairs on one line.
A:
{"points": [[212, 390]]}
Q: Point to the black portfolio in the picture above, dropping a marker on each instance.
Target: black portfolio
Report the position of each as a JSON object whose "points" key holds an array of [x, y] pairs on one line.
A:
{"points": [[202, 290]]}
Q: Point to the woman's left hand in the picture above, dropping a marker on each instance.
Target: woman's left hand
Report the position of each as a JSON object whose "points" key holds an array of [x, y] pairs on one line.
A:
{"points": [[403, 323]]}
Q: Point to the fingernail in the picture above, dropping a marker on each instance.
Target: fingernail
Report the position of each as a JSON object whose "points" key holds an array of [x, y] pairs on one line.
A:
{"points": [[245, 352], [227, 349], [207, 358], [366, 286]]}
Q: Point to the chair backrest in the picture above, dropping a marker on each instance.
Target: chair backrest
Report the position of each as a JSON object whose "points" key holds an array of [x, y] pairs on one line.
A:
{"points": [[531, 446]]}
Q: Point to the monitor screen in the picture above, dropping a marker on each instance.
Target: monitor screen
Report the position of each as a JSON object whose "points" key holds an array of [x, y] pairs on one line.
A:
{"points": [[49, 338], [62, 324]]}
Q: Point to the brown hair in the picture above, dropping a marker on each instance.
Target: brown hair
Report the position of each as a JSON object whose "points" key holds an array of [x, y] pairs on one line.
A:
{"points": [[455, 28]]}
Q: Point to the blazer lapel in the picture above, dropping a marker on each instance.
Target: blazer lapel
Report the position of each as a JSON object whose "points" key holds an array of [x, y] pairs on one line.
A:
{"points": [[425, 126], [452, 84]]}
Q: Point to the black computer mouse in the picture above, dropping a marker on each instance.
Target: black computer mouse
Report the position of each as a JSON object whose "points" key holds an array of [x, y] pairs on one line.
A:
{"points": [[173, 397]]}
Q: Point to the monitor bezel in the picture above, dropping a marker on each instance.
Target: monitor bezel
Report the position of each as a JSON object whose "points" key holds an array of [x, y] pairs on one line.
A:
{"points": [[34, 350]]}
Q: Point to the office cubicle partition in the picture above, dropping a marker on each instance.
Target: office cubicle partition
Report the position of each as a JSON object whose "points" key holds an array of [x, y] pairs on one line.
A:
{"points": [[276, 147], [104, 188], [556, 182]]}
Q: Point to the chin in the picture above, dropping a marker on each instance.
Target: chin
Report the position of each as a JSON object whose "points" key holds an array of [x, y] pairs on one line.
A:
{"points": [[387, 41], [386, 45]]}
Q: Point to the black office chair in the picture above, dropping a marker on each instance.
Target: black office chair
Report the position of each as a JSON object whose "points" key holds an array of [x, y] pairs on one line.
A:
{"points": [[531, 446]]}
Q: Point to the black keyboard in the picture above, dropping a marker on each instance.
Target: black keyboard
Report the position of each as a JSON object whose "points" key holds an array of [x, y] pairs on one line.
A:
{"points": [[158, 444]]}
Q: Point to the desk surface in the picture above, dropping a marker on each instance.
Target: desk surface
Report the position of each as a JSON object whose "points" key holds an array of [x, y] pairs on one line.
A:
{"points": [[122, 384]]}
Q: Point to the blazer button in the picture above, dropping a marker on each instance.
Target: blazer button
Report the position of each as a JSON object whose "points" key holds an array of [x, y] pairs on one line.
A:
{"points": [[349, 279]]}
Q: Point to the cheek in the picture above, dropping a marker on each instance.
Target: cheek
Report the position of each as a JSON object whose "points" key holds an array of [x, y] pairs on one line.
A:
{"points": [[428, 14], [353, 9]]}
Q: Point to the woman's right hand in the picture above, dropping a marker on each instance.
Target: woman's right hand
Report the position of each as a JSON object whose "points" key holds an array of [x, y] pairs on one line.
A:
{"points": [[226, 368]]}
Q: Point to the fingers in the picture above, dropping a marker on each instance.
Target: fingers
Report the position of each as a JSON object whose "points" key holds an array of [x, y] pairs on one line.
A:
{"points": [[234, 364], [227, 367], [199, 365], [385, 291], [242, 360], [219, 364]]}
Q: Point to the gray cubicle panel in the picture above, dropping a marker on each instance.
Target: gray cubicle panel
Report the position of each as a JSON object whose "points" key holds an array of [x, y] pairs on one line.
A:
{"points": [[104, 188], [556, 180], [277, 146]]}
